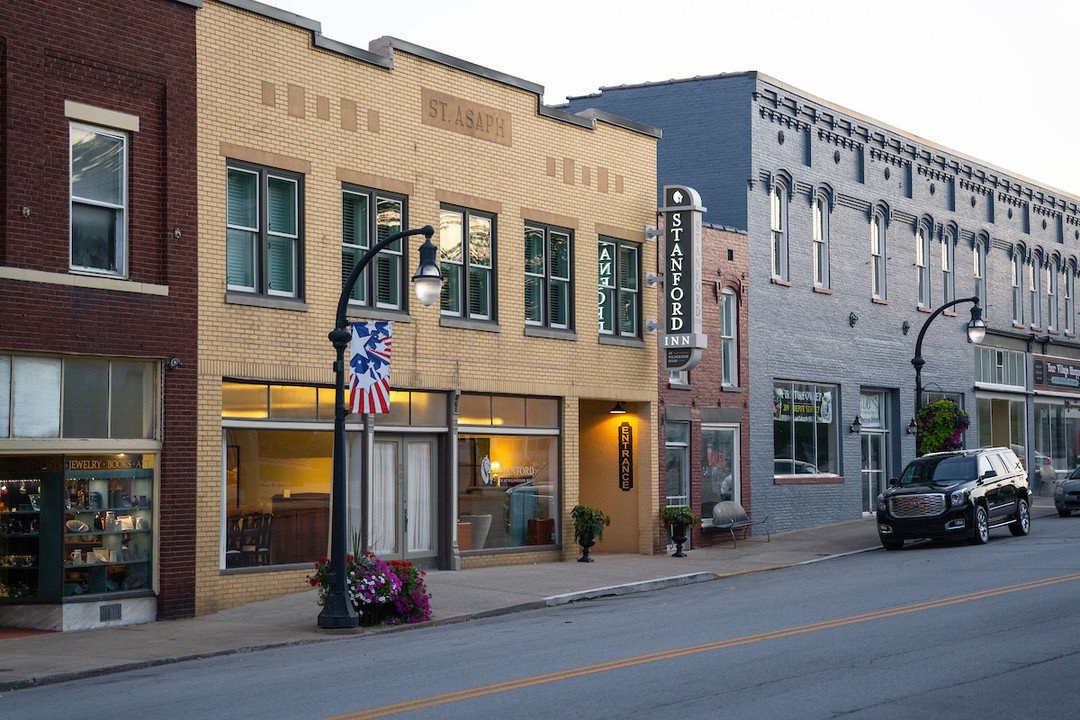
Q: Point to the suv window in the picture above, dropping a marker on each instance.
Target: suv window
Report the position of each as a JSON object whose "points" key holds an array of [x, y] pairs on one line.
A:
{"points": [[986, 463], [1000, 466], [946, 470]]}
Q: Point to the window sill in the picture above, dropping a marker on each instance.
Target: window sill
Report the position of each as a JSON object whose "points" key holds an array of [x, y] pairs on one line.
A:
{"points": [[807, 479], [1053, 331], [1019, 325], [924, 309], [949, 313], [780, 281], [549, 333], [823, 290], [466, 324], [233, 297], [731, 389], [879, 301], [620, 341], [680, 386], [74, 279]]}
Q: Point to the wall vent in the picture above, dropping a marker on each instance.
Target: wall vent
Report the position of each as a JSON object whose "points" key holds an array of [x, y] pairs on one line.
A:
{"points": [[111, 612]]}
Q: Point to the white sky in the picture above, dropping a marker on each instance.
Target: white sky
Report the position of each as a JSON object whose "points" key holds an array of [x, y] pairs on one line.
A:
{"points": [[990, 79]]}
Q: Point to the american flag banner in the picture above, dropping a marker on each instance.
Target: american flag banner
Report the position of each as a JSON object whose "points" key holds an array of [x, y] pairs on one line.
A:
{"points": [[369, 361]]}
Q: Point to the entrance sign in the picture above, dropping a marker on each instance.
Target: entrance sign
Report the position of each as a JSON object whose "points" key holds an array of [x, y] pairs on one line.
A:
{"points": [[626, 457], [682, 339]]}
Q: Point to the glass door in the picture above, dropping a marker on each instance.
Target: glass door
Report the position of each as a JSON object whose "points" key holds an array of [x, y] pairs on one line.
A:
{"points": [[402, 497], [873, 439]]}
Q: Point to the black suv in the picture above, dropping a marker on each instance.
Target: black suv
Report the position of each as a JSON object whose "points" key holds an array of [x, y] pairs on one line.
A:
{"points": [[961, 494]]}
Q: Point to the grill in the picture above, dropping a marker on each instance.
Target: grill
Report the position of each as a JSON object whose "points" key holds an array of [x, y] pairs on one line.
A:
{"points": [[913, 506]]}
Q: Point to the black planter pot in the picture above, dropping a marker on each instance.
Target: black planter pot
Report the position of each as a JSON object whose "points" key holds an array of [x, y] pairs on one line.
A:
{"points": [[586, 541], [678, 535]]}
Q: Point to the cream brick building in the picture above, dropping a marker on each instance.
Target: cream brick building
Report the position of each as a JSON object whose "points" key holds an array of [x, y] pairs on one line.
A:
{"points": [[500, 421]]}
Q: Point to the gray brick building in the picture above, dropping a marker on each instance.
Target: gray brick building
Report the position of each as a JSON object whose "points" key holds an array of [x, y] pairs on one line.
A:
{"points": [[856, 233]]}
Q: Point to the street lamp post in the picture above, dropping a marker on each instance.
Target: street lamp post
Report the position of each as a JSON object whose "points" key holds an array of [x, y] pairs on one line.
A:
{"points": [[338, 611], [976, 330]]}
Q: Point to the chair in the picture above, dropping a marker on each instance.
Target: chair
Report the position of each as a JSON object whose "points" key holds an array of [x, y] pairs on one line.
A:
{"points": [[253, 551], [233, 525], [731, 516]]}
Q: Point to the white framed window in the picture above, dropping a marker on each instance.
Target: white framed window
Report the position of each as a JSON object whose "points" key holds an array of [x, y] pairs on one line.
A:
{"points": [[878, 267], [947, 275], [677, 464], [619, 296], [548, 252], [1070, 298], [467, 254], [822, 270], [978, 259], [996, 366], [720, 476], [1018, 287], [679, 378], [922, 265], [99, 199], [1033, 292], [729, 338], [778, 216], [1051, 281], [367, 217], [263, 238]]}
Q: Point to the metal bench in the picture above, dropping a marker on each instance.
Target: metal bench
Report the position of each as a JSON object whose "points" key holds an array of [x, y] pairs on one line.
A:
{"points": [[730, 516]]}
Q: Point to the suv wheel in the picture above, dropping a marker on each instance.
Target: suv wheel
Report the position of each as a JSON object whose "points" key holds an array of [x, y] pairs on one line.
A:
{"points": [[892, 544], [1022, 525], [1064, 513], [982, 526]]}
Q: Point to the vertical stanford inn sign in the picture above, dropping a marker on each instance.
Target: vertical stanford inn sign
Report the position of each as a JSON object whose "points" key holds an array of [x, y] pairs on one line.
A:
{"points": [[682, 340]]}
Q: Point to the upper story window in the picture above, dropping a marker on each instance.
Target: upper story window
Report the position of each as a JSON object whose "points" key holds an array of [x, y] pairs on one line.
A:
{"points": [[467, 250], [922, 264], [978, 259], [1070, 298], [547, 276], [99, 199], [778, 217], [822, 270], [878, 266], [947, 275], [619, 280], [1050, 280], [1018, 287], [1033, 292], [263, 236], [999, 367], [367, 217], [729, 339]]}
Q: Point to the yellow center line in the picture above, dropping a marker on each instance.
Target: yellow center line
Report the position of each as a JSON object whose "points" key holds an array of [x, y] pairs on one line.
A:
{"points": [[460, 695]]}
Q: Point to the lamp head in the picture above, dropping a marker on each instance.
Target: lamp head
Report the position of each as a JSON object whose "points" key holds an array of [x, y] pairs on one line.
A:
{"points": [[976, 329], [427, 282]]}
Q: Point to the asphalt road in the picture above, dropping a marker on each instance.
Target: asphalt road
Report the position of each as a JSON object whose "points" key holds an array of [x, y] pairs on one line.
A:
{"points": [[931, 631]]}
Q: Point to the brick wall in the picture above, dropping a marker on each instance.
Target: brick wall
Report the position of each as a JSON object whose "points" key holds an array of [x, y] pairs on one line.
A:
{"points": [[68, 51]]}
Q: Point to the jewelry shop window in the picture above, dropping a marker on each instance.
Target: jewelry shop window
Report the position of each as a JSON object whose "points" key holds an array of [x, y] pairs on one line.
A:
{"points": [[509, 481]]}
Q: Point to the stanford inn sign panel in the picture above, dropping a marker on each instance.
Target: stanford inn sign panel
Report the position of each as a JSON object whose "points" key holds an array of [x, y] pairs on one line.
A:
{"points": [[682, 340]]}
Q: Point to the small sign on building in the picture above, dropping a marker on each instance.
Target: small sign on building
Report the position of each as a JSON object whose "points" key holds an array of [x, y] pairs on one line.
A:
{"points": [[626, 457], [682, 340]]}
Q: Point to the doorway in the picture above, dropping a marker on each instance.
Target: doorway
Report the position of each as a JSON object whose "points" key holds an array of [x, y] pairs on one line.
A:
{"points": [[873, 440], [401, 504]]}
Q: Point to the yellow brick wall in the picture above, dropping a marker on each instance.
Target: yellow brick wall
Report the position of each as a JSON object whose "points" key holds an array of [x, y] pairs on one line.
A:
{"points": [[266, 94]]}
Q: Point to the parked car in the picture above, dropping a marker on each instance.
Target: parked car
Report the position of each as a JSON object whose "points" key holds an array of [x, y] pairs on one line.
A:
{"points": [[959, 494], [1067, 493], [793, 467]]}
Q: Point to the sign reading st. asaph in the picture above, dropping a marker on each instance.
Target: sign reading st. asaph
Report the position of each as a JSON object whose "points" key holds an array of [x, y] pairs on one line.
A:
{"points": [[682, 340]]}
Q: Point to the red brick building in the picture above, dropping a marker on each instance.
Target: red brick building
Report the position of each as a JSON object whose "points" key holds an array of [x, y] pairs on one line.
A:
{"points": [[704, 418], [98, 308]]}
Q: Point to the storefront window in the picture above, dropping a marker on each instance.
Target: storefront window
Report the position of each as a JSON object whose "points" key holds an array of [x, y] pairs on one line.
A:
{"points": [[76, 526], [277, 496], [508, 490], [1057, 432], [677, 461], [719, 468], [1000, 422], [804, 429]]}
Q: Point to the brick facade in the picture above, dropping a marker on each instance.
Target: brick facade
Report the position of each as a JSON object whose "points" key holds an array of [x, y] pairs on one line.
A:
{"points": [[60, 53], [274, 91], [764, 132]]}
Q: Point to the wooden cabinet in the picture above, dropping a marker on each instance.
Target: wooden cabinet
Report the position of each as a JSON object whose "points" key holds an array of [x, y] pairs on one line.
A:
{"points": [[301, 528]]}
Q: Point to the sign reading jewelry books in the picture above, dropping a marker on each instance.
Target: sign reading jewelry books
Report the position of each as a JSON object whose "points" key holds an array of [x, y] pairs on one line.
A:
{"points": [[682, 339], [369, 363]]}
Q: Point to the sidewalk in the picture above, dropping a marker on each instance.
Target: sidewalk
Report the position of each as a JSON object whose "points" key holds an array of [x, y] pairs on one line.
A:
{"points": [[456, 596]]}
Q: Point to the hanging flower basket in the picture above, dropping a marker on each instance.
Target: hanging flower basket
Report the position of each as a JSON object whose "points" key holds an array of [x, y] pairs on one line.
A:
{"points": [[941, 426]]}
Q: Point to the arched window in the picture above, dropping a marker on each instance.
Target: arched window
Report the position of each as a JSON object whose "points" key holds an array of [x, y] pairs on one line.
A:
{"points": [[778, 221], [1018, 285], [1051, 275], [1033, 267], [729, 338], [820, 231], [1070, 297], [878, 286], [948, 285], [978, 258], [922, 263]]}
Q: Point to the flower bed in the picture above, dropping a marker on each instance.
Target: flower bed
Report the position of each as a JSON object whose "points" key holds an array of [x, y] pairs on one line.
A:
{"points": [[390, 593]]}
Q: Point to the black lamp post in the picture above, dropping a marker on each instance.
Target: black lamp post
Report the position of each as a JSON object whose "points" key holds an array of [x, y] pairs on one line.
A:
{"points": [[976, 330], [338, 611]]}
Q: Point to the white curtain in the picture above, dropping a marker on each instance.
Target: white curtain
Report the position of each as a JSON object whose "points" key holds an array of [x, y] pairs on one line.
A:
{"points": [[418, 492], [383, 536]]}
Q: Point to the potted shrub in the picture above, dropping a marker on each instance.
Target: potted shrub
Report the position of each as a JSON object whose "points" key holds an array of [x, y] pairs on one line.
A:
{"points": [[589, 524], [680, 520]]}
